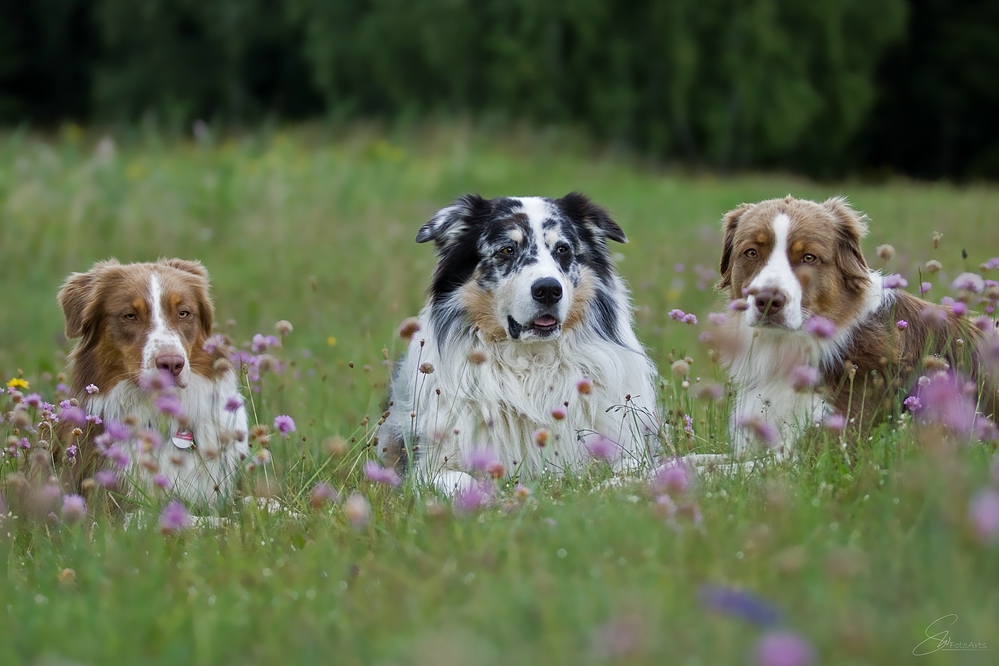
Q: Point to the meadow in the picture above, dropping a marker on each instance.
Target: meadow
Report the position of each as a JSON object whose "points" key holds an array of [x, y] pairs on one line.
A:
{"points": [[315, 226]]}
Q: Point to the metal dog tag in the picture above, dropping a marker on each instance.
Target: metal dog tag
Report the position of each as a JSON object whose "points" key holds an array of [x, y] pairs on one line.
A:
{"points": [[183, 439]]}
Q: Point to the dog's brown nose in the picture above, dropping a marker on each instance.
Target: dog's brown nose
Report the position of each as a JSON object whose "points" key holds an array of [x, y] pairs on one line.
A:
{"points": [[172, 363], [769, 301]]}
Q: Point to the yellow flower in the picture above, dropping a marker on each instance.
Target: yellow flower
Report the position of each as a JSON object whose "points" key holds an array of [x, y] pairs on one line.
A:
{"points": [[331, 341], [17, 383]]}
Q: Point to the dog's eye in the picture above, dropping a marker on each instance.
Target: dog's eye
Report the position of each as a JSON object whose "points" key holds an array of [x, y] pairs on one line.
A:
{"points": [[562, 249], [809, 258], [507, 250], [130, 316], [184, 314], [751, 253]]}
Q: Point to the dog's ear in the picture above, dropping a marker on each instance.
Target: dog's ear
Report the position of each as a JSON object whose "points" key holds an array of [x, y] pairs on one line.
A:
{"points": [[851, 227], [729, 224], [578, 207], [186, 265], [77, 296], [448, 223]]}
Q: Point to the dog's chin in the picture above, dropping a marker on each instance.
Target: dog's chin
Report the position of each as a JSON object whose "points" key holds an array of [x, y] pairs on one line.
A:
{"points": [[543, 327], [773, 324]]}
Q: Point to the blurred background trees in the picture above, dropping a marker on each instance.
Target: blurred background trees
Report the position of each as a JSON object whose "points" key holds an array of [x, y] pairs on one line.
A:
{"points": [[825, 87]]}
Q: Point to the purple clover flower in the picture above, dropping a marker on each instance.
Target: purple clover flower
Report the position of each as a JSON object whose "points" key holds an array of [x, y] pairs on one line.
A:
{"points": [[991, 264], [804, 377], [784, 648], [912, 403], [762, 430], [74, 416], [174, 518], [737, 603], [106, 478], [472, 497], [986, 430], [933, 315], [601, 448], [357, 510], [284, 424], [820, 327], [118, 456], [894, 281], [323, 494], [960, 308], [901, 324], [118, 431], [92, 389], [74, 509], [33, 400], [717, 318], [378, 474], [968, 282], [739, 305], [162, 481], [983, 510], [233, 404], [673, 478], [682, 317], [171, 405], [479, 459], [924, 287], [946, 403]]}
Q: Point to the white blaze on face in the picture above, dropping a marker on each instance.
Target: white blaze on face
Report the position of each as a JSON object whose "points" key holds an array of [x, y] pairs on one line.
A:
{"points": [[162, 341], [778, 276], [515, 297]]}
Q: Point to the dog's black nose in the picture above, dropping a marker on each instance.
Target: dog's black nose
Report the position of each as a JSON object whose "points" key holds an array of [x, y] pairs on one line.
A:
{"points": [[547, 291], [769, 302]]}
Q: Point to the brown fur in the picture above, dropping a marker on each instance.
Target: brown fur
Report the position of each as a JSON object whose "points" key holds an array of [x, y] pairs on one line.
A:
{"points": [[885, 361], [95, 304], [879, 367], [479, 304], [832, 286], [110, 350]]}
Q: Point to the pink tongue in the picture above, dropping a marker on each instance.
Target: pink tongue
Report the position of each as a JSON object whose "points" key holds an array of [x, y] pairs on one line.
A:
{"points": [[545, 320]]}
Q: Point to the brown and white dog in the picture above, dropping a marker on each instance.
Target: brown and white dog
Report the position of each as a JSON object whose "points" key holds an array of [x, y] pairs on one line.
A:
{"points": [[794, 262], [170, 406]]}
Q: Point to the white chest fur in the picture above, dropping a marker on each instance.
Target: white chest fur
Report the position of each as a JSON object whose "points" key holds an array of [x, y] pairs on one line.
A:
{"points": [[202, 470]]}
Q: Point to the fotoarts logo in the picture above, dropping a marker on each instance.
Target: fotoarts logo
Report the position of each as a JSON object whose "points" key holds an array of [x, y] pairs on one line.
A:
{"points": [[938, 639]]}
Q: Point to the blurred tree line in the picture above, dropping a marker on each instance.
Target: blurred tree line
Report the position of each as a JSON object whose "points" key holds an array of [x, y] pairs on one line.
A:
{"points": [[825, 86]]}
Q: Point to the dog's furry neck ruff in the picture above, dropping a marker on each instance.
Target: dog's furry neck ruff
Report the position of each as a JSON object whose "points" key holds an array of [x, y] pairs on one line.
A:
{"points": [[501, 402]]}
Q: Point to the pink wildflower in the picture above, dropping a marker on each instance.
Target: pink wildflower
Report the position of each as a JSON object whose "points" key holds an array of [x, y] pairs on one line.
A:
{"points": [[284, 424], [968, 282], [357, 511], [674, 478], [601, 448], [894, 281], [984, 513], [784, 648], [74, 508], [804, 377], [174, 518], [323, 494], [379, 474], [820, 327], [760, 429], [472, 497]]}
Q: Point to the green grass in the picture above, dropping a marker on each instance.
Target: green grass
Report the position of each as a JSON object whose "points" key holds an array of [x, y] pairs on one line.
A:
{"points": [[317, 228]]}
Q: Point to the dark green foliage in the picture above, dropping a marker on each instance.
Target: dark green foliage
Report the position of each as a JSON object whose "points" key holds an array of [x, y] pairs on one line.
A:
{"points": [[938, 115], [723, 84]]}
